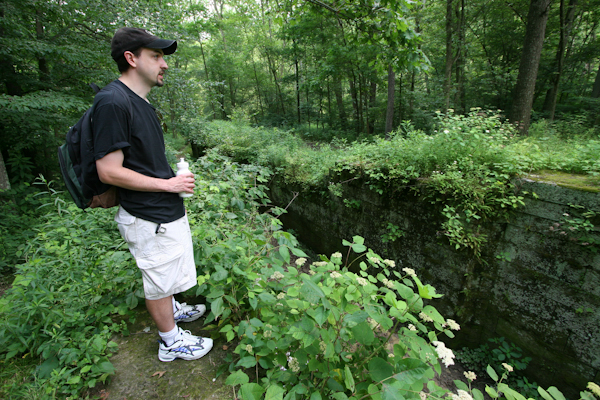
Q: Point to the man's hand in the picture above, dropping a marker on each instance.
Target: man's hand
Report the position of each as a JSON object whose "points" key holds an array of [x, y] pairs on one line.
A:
{"points": [[182, 183], [111, 171]]}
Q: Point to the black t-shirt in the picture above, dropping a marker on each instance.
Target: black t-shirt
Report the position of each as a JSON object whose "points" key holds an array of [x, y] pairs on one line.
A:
{"points": [[140, 137]]}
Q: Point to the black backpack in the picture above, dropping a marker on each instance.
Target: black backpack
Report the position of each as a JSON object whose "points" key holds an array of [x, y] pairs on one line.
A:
{"points": [[78, 164]]}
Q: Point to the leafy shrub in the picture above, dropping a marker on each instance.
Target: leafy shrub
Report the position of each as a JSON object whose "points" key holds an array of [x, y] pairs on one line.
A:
{"points": [[75, 278]]}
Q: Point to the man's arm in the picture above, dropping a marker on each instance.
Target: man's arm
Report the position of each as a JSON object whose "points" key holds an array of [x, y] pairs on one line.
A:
{"points": [[111, 171]]}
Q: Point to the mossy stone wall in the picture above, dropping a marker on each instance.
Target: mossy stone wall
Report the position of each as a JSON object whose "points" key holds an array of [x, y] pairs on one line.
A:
{"points": [[530, 287]]}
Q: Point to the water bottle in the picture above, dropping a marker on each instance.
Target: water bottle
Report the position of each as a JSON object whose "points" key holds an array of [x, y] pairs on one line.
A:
{"points": [[182, 168]]}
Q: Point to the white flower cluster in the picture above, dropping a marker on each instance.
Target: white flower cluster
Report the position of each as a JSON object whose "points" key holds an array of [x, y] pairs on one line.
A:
{"points": [[452, 324], [507, 367], [389, 263], [374, 260], [281, 295], [335, 274], [462, 395], [322, 346], [300, 261], [594, 388], [362, 281], [337, 254], [249, 348], [412, 327], [445, 354], [409, 271], [372, 323], [388, 283], [470, 375], [425, 317], [423, 395], [319, 263], [276, 276], [293, 364]]}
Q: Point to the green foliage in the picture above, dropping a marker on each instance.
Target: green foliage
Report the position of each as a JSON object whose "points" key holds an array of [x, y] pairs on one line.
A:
{"points": [[330, 332], [581, 226], [60, 310], [467, 166], [493, 358]]}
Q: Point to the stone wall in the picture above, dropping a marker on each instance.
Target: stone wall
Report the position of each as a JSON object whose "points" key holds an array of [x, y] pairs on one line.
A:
{"points": [[534, 287]]}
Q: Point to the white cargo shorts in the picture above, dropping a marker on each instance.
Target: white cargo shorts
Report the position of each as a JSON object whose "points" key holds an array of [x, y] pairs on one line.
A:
{"points": [[163, 252]]}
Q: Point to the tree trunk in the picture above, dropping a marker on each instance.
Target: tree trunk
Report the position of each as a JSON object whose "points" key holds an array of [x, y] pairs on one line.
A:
{"points": [[530, 61], [340, 100], [596, 89], [212, 104], [297, 90], [566, 23], [371, 108], [4, 182], [389, 115], [449, 56], [459, 99]]}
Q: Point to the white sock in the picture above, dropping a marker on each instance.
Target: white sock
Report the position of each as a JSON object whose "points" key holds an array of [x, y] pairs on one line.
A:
{"points": [[174, 306], [169, 337]]}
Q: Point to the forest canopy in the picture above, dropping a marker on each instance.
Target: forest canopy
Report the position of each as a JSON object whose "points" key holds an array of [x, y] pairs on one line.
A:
{"points": [[356, 68]]}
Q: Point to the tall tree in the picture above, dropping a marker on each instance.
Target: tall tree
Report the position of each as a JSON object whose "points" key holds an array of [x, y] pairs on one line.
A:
{"points": [[535, 31]]}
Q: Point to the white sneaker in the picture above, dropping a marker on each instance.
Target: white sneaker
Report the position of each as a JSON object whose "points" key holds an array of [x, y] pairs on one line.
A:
{"points": [[186, 347], [187, 313]]}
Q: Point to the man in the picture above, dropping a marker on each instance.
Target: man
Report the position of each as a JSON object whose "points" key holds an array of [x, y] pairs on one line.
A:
{"points": [[130, 154]]}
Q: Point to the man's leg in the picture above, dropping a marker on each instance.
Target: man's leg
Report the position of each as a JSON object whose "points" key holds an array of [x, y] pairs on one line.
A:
{"points": [[161, 312]]}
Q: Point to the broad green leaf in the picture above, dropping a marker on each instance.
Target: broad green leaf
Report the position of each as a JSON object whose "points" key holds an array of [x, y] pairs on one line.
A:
{"points": [[285, 254], [348, 379], [247, 362], [379, 369], [237, 378], [477, 395], [544, 394], [339, 396], [491, 392], [391, 392], [316, 396], [363, 333], [492, 373], [251, 391], [310, 291], [216, 306], [557, 394], [274, 392], [412, 370], [461, 385]]}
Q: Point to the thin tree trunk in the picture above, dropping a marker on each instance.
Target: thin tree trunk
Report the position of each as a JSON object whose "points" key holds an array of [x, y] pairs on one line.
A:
{"points": [[459, 99], [537, 17], [212, 104], [449, 55], [596, 88], [340, 100], [354, 95], [371, 108], [566, 23], [389, 114], [297, 90], [4, 181]]}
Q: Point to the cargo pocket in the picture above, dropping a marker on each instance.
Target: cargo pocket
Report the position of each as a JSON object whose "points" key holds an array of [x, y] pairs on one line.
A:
{"points": [[161, 272]]}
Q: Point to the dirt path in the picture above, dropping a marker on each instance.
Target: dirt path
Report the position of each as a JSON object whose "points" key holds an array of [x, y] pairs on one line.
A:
{"points": [[141, 376]]}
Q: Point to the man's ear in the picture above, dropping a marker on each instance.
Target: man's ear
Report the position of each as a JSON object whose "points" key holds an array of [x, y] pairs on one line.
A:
{"points": [[130, 58]]}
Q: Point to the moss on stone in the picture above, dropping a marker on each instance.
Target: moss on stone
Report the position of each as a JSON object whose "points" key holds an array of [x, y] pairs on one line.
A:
{"points": [[586, 183]]}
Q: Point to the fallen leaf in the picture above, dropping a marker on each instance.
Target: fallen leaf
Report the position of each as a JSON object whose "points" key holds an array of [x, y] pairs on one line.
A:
{"points": [[225, 347], [146, 329], [159, 373], [103, 394]]}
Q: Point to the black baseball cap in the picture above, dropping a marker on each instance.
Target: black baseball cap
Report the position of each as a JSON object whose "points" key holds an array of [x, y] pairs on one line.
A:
{"points": [[131, 39]]}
